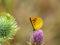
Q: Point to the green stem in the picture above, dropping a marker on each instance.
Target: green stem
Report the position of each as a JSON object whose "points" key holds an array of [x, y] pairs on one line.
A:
{"points": [[36, 44], [0, 44]]}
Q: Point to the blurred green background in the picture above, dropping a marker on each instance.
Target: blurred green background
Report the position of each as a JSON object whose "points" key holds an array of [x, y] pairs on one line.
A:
{"points": [[48, 10]]}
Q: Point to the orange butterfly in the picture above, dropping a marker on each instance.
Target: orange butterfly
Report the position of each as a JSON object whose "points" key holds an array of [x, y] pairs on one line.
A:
{"points": [[37, 23]]}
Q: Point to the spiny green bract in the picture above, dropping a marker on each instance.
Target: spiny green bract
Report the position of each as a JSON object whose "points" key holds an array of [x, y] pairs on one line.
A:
{"points": [[8, 26]]}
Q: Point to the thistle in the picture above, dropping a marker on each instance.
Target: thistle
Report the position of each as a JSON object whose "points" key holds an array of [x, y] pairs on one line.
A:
{"points": [[37, 37], [8, 26]]}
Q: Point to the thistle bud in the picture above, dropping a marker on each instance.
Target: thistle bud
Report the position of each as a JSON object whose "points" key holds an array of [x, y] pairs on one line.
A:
{"points": [[8, 26]]}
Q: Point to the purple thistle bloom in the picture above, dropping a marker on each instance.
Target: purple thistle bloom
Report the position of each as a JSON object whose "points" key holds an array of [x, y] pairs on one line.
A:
{"points": [[37, 36]]}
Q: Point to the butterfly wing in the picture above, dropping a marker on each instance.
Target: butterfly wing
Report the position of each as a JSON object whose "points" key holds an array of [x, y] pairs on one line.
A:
{"points": [[37, 23]]}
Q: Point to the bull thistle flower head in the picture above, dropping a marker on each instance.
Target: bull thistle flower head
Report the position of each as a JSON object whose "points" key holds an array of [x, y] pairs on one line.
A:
{"points": [[37, 37], [8, 26]]}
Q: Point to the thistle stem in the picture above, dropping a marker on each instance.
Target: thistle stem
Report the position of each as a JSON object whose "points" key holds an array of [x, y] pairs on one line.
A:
{"points": [[36, 44], [0, 44]]}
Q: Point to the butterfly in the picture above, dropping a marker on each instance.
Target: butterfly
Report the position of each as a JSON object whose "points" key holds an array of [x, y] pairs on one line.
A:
{"points": [[37, 23]]}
